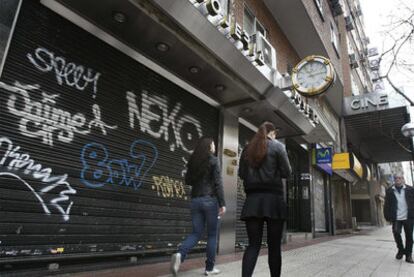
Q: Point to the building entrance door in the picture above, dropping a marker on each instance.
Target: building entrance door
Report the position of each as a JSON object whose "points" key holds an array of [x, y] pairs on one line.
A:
{"points": [[298, 193]]}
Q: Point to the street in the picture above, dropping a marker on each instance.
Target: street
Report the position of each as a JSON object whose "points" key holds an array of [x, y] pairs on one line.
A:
{"points": [[372, 254]]}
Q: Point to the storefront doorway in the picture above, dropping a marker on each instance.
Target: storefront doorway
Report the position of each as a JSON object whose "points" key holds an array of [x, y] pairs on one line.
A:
{"points": [[298, 189]]}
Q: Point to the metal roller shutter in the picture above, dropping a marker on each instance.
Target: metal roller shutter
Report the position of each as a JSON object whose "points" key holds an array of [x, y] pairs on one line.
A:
{"points": [[245, 134], [93, 146]]}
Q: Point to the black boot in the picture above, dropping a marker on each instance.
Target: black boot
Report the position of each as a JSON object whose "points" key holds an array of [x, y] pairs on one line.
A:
{"points": [[409, 259], [399, 255]]}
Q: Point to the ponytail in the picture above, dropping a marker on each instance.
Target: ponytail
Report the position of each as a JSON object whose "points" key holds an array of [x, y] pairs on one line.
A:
{"points": [[257, 148]]}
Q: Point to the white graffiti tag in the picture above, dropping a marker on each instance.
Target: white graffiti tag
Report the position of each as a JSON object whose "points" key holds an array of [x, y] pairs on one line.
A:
{"points": [[17, 165], [69, 73], [41, 119], [155, 112]]}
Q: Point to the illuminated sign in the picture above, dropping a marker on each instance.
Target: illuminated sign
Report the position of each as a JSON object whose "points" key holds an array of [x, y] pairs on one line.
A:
{"points": [[366, 102], [346, 161], [369, 102], [323, 155], [341, 161], [357, 167], [322, 158]]}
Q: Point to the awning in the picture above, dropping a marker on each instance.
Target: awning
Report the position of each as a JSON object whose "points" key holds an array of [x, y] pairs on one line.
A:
{"points": [[223, 73], [373, 122]]}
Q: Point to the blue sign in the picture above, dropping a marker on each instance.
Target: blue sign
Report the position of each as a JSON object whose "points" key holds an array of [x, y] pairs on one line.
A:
{"points": [[324, 155], [327, 168]]}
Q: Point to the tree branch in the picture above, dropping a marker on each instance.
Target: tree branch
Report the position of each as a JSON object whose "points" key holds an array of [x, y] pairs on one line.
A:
{"points": [[399, 91]]}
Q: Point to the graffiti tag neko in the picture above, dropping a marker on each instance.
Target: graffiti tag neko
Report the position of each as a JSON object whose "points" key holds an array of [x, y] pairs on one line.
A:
{"points": [[185, 128]]}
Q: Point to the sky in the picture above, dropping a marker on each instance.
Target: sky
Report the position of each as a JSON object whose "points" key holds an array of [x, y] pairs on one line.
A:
{"points": [[378, 16]]}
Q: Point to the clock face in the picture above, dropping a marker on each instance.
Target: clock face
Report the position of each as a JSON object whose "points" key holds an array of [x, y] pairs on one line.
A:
{"points": [[313, 75]]}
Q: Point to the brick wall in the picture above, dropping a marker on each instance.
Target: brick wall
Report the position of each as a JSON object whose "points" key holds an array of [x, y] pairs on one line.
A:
{"points": [[346, 68], [323, 28]]}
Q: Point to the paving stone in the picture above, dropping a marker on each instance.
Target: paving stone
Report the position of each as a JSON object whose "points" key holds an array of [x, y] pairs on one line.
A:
{"points": [[361, 255]]}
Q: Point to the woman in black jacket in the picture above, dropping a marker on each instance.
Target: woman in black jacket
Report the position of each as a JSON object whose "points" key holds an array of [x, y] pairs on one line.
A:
{"points": [[263, 164], [207, 203]]}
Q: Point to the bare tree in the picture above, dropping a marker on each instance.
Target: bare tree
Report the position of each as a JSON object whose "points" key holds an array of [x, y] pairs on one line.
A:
{"points": [[393, 60]]}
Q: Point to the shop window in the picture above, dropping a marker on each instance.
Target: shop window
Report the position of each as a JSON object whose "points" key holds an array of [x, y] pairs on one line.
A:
{"points": [[8, 11]]}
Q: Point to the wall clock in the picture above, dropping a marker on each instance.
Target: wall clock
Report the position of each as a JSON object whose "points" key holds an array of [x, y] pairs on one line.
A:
{"points": [[313, 75]]}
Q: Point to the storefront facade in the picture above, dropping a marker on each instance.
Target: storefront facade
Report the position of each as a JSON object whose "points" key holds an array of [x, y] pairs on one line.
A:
{"points": [[97, 125], [94, 145]]}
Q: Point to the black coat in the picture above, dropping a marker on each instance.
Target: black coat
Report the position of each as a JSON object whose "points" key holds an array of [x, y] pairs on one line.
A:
{"points": [[268, 177], [390, 205], [211, 183]]}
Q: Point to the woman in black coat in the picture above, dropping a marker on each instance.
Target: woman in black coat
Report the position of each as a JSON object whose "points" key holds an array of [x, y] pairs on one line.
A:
{"points": [[263, 164]]}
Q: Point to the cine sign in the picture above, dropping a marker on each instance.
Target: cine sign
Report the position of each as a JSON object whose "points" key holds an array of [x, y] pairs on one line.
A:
{"points": [[369, 102], [365, 102]]}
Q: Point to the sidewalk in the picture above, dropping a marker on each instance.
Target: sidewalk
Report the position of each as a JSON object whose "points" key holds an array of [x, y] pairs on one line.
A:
{"points": [[371, 253]]}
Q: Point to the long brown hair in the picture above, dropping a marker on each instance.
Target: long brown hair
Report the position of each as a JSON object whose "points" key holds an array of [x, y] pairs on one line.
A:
{"points": [[257, 147]]}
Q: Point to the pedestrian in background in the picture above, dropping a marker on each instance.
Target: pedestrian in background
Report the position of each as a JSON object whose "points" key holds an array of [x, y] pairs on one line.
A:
{"points": [[399, 210], [263, 164], [207, 203]]}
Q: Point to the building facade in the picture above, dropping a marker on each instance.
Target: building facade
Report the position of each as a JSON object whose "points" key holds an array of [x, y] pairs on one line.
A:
{"points": [[102, 105]]}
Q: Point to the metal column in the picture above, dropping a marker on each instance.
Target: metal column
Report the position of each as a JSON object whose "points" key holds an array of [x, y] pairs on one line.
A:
{"points": [[228, 145]]}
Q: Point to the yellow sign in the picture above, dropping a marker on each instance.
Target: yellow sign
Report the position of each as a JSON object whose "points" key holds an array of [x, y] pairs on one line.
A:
{"points": [[341, 161], [358, 167]]}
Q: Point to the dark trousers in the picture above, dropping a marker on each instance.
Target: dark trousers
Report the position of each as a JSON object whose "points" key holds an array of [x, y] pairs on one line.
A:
{"points": [[254, 228], [408, 230]]}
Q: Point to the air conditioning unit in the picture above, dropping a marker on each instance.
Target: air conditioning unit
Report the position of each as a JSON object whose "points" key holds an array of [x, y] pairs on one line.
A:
{"points": [[349, 23], [353, 61], [337, 7], [358, 11], [267, 50], [363, 55], [253, 54]]}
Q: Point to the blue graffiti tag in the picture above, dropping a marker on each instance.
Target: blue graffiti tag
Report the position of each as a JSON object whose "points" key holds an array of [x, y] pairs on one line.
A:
{"points": [[99, 169]]}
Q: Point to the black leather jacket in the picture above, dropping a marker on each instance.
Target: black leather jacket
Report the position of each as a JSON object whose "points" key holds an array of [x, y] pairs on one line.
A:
{"points": [[268, 177], [390, 204], [211, 184]]}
